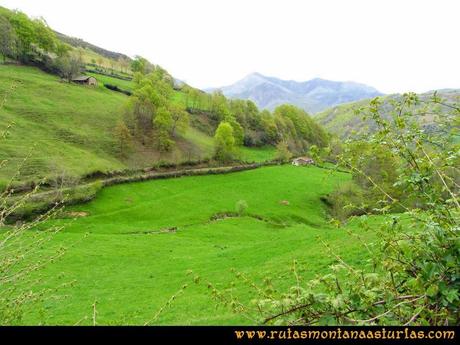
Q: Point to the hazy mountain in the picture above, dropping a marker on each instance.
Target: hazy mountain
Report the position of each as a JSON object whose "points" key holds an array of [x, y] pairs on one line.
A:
{"points": [[313, 95]]}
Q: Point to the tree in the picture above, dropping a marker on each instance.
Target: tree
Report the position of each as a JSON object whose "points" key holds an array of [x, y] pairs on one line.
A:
{"points": [[180, 119], [69, 66], [270, 131], [33, 36], [194, 97], [282, 152], [124, 138], [238, 132], [100, 62], [113, 63], [219, 106], [124, 64], [298, 128], [80, 53], [163, 123], [224, 142], [8, 39], [141, 65]]}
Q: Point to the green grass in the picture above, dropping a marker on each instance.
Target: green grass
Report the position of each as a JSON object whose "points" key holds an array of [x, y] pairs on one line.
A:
{"points": [[69, 127], [258, 154], [103, 79], [132, 273]]}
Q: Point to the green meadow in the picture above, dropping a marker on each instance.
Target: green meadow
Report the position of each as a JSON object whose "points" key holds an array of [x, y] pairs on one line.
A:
{"points": [[138, 244]]}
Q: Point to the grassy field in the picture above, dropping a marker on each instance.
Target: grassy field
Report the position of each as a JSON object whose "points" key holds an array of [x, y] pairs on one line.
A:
{"points": [[132, 269], [67, 129], [104, 79], [246, 154]]}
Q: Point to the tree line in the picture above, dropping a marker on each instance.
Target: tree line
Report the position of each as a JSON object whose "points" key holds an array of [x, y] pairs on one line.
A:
{"points": [[153, 116]]}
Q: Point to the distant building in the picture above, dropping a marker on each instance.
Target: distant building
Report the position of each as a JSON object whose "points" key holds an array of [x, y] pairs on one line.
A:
{"points": [[85, 79], [303, 161]]}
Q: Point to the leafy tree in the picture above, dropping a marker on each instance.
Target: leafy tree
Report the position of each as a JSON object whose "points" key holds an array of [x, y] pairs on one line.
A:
{"points": [[238, 132], [100, 61], [219, 106], [163, 122], [269, 128], [33, 36], [282, 152], [224, 142], [180, 119], [124, 64], [141, 65], [296, 125], [149, 95], [124, 138], [69, 66], [194, 98], [8, 39]]}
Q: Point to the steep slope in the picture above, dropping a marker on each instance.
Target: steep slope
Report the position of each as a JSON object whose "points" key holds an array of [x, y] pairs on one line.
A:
{"points": [[79, 43], [68, 129], [343, 120], [313, 95]]}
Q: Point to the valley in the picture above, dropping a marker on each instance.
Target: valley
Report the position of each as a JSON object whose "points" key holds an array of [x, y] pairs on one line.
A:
{"points": [[130, 197], [122, 236]]}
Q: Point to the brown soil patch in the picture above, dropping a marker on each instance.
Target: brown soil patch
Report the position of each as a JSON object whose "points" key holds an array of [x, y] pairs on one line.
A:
{"points": [[78, 214]]}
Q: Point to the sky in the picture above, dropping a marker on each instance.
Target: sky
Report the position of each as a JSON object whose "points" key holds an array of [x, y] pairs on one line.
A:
{"points": [[392, 45]]}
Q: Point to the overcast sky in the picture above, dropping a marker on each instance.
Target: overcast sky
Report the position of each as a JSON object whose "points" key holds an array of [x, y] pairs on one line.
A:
{"points": [[393, 45]]}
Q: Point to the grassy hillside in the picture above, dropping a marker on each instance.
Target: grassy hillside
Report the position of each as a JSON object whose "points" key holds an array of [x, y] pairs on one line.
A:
{"points": [[68, 126], [343, 121], [68, 129], [131, 268]]}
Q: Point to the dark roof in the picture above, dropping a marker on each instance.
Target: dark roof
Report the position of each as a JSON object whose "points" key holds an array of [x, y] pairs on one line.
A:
{"points": [[82, 78]]}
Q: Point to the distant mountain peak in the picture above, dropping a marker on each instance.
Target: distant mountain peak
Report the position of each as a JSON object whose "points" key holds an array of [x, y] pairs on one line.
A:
{"points": [[313, 95]]}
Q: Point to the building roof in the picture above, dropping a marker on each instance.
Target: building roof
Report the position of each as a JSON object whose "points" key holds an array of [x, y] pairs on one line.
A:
{"points": [[306, 159], [82, 78]]}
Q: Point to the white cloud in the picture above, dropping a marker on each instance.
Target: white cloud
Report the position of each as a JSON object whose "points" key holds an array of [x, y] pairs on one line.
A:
{"points": [[392, 45]]}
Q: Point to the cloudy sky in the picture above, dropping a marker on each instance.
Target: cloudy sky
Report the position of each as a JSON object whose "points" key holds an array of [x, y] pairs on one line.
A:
{"points": [[393, 45]]}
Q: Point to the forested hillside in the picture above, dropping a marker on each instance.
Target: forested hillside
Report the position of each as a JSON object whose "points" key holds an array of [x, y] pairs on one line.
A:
{"points": [[345, 120]]}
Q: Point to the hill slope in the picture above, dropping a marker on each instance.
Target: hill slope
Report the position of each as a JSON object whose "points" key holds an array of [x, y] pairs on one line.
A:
{"points": [[343, 121], [68, 129], [313, 95], [133, 268], [78, 42]]}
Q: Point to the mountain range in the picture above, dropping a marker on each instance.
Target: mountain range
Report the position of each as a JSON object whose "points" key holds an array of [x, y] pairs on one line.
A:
{"points": [[313, 96]]}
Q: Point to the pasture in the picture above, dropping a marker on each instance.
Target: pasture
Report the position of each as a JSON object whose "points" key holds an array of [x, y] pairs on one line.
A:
{"points": [[138, 243]]}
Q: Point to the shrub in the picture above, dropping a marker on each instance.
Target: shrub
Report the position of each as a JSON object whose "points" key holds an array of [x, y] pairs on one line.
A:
{"points": [[241, 207]]}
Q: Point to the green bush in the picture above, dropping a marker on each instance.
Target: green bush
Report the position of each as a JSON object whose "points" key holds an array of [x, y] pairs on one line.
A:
{"points": [[241, 207]]}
